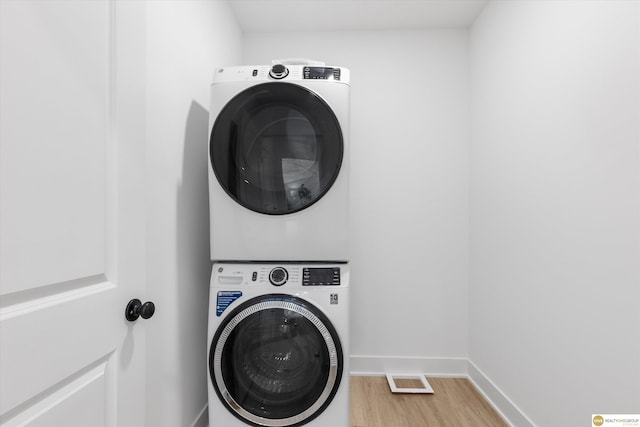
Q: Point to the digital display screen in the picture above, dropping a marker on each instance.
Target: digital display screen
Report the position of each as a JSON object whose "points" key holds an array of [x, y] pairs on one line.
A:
{"points": [[321, 276], [324, 73]]}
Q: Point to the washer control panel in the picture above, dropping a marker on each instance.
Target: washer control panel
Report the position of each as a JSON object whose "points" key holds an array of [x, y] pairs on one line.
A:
{"points": [[240, 275]]}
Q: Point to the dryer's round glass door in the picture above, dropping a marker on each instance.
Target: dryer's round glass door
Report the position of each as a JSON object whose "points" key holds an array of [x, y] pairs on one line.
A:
{"points": [[276, 360], [276, 148]]}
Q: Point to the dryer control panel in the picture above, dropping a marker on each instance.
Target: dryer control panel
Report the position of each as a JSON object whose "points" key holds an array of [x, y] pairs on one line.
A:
{"points": [[284, 73]]}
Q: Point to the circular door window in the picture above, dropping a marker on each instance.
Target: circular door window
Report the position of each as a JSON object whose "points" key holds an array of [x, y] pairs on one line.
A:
{"points": [[276, 148], [276, 360]]}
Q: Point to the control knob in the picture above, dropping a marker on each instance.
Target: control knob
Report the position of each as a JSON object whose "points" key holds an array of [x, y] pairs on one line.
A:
{"points": [[279, 71], [278, 276]]}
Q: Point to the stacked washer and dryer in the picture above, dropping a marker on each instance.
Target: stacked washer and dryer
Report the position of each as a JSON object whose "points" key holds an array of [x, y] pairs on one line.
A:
{"points": [[279, 293]]}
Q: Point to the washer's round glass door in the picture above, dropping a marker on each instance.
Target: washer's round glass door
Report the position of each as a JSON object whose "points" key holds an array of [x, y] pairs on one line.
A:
{"points": [[276, 360], [276, 148]]}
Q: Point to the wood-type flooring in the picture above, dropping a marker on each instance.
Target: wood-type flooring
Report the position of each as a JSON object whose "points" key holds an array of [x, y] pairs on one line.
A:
{"points": [[455, 403]]}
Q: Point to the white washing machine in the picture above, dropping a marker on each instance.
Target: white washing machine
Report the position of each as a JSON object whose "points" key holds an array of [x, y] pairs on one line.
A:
{"points": [[279, 163], [278, 345]]}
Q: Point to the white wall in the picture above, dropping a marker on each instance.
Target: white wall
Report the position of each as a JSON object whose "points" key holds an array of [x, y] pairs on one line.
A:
{"points": [[409, 189], [186, 40], [555, 207]]}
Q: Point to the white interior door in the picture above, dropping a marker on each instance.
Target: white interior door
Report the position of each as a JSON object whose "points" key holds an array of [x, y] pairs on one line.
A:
{"points": [[71, 214]]}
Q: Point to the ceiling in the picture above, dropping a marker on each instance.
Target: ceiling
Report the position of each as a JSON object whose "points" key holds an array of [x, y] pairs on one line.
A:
{"points": [[337, 15]]}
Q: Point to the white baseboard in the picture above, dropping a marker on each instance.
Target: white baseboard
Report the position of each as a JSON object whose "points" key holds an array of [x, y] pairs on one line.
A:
{"points": [[500, 402], [433, 367]]}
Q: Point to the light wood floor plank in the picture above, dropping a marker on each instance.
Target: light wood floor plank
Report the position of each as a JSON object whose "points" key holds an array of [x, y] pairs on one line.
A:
{"points": [[455, 403]]}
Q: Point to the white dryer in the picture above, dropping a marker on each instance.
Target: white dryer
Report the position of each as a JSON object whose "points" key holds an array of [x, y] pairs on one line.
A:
{"points": [[278, 345], [279, 163]]}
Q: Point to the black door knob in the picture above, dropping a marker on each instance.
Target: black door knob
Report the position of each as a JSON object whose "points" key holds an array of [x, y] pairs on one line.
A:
{"points": [[136, 309], [147, 310]]}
